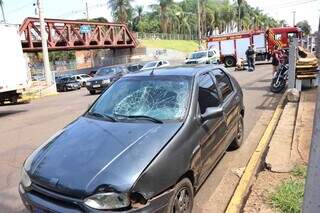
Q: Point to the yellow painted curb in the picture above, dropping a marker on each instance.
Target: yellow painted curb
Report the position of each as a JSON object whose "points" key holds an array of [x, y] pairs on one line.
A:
{"points": [[241, 191], [34, 97]]}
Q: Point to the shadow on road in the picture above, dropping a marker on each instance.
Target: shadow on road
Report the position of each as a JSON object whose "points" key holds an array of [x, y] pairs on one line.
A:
{"points": [[11, 112]]}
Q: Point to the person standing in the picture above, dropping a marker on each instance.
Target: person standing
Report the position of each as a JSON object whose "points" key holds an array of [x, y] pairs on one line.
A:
{"points": [[275, 59], [250, 53]]}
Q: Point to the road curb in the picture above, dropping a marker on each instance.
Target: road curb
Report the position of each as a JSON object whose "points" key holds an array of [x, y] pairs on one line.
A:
{"points": [[240, 193], [35, 97]]}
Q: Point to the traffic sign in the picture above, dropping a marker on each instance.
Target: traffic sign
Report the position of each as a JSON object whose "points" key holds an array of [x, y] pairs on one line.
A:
{"points": [[85, 29]]}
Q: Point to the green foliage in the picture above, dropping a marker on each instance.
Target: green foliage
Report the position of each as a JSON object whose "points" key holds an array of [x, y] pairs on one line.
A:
{"points": [[62, 56], [121, 10], [148, 25], [216, 16], [299, 171], [305, 27], [288, 197]]}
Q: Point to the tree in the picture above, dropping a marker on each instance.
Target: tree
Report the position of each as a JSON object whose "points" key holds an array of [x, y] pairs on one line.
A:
{"points": [[164, 4], [121, 10], [304, 26]]}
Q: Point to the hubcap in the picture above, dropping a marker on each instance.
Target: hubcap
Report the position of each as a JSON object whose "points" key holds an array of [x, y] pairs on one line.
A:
{"points": [[240, 131], [182, 201]]}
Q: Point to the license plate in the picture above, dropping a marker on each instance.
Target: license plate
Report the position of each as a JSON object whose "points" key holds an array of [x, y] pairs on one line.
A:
{"points": [[96, 86]]}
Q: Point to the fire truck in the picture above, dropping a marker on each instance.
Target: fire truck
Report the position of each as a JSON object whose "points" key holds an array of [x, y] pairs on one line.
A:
{"points": [[233, 46]]}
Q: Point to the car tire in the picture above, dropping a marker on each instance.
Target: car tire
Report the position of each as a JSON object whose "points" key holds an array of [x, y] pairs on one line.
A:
{"points": [[92, 92], [230, 61], [182, 197], [238, 140]]}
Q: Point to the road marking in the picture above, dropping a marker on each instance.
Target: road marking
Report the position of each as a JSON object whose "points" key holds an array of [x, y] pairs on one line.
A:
{"points": [[235, 203]]}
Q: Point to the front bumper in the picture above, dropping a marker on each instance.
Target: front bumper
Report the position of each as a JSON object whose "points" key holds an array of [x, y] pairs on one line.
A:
{"points": [[45, 201], [97, 87]]}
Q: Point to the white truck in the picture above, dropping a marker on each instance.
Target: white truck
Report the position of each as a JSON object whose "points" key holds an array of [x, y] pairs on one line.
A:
{"points": [[13, 65]]}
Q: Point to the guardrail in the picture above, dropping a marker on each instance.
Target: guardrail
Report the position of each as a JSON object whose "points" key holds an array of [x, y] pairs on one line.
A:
{"points": [[312, 187]]}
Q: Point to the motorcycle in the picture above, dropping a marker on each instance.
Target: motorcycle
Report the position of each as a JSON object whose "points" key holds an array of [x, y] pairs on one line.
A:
{"points": [[280, 79]]}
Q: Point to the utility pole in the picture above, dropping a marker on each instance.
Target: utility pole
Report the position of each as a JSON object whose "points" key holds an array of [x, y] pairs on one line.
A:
{"points": [[44, 44], [199, 24], [87, 11], [2, 10], [239, 15], [294, 18]]}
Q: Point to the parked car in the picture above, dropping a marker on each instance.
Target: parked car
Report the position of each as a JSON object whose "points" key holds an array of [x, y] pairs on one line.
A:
{"points": [[82, 78], [155, 64], [92, 72], [67, 83], [104, 77], [150, 141], [204, 57]]}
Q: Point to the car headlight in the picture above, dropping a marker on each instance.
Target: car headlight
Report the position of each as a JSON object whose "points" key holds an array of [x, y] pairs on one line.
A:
{"points": [[88, 83], [106, 81], [25, 179], [108, 200]]}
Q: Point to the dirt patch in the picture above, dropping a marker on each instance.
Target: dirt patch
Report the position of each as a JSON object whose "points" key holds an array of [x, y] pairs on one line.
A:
{"points": [[265, 184]]}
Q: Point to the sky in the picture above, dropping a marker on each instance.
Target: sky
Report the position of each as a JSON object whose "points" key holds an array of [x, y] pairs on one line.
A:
{"points": [[17, 10]]}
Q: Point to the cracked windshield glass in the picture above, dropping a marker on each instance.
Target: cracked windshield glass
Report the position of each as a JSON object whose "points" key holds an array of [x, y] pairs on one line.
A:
{"points": [[159, 97]]}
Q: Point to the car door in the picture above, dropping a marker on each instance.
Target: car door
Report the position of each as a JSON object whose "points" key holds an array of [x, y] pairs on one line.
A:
{"points": [[213, 129], [229, 102]]}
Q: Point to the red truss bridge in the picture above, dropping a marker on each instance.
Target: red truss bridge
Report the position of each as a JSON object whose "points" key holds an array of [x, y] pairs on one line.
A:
{"points": [[75, 35]]}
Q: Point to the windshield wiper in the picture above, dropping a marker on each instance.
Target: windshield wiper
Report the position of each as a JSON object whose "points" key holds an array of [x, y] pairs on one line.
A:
{"points": [[97, 114], [155, 120]]}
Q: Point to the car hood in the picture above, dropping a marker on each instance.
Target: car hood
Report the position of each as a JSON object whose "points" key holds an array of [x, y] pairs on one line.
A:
{"points": [[100, 78], [90, 154]]}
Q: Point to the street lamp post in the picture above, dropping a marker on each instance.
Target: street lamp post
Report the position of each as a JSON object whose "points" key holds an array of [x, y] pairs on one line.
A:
{"points": [[2, 10], [199, 24], [45, 53]]}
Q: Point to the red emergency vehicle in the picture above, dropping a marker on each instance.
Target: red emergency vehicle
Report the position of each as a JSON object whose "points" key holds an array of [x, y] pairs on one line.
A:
{"points": [[233, 46]]}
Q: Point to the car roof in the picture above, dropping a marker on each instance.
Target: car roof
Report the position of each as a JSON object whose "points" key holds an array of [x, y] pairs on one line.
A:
{"points": [[182, 70]]}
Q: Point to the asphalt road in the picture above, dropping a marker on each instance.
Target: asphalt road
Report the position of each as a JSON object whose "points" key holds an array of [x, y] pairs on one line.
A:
{"points": [[24, 127]]}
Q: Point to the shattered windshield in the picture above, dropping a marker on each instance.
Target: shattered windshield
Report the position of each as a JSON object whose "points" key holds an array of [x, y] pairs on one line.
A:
{"points": [[198, 55], [159, 97]]}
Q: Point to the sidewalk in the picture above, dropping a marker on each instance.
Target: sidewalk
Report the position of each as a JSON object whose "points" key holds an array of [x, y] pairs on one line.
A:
{"points": [[285, 162]]}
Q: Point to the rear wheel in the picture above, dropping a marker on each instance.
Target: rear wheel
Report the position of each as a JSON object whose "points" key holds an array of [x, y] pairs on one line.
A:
{"points": [[238, 140], [230, 61], [182, 199]]}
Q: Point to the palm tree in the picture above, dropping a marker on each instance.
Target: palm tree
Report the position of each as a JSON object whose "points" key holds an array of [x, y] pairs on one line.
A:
{"points": [[164, 4], [121, 10]]}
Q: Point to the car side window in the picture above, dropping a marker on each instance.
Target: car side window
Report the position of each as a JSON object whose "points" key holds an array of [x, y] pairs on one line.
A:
{"points": [[208, 93], [210, 54], [223, 83]]}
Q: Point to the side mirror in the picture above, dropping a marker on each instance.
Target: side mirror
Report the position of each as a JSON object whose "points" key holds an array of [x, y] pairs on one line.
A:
{"points": [[187, 58], [211, 113]]}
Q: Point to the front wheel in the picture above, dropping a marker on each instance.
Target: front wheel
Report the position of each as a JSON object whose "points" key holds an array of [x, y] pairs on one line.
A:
{"points": [[277, 85], [182, 199]]}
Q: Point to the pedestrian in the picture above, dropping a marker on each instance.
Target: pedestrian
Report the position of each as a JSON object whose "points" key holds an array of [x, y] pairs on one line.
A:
{"points": [[275, 59], [250, 53]]}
